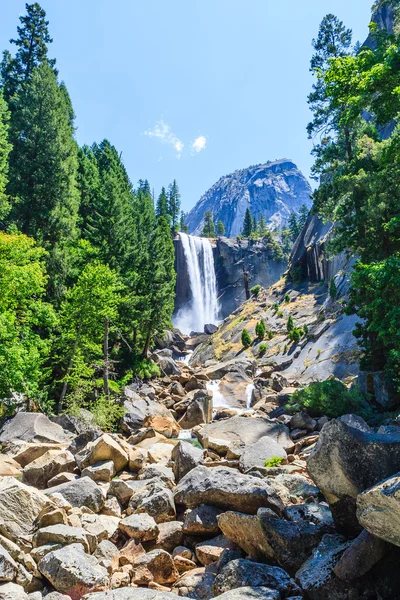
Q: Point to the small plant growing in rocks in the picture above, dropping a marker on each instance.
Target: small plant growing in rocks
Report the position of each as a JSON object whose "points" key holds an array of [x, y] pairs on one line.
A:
{"points": [[274, 461], [255, 291], [260, 330], [262, 349], [246, 339]]}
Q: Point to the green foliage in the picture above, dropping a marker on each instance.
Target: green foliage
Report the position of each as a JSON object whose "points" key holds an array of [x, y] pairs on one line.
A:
{"points": [[146, 369], [255, 290], [174, 205], [5, 148], [270, 335], [260, 330], [183, 225], [331, 398], [295, 334], [305, 329], [294, 227], [105, 413], [276, 307], [333, 291], [290, 324], [262, 348], [220, 228], [209, 227], [287, 298], [248, 223], [246, 339], [274, 461], [162, 209]]}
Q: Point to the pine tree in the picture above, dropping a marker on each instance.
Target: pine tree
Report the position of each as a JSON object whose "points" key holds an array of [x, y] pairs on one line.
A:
{"points": [[248, 223], [174, 201], [290, 324], [246, 339], [260, 330], [144, 186], [5, 148], [254, 228], [209, 227], [162, 206], [220, 228], [88, 181], [183, 225], [303, 216], [293, 227], [262, 226], [33, 37]]}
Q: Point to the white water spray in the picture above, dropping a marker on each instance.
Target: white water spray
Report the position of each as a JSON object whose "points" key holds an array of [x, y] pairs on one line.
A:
{"points": [[203, 308]]}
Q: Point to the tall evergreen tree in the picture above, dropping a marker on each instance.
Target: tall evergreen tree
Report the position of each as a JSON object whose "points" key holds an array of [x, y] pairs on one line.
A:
{"points": [[220, 228], [162, 209], [183, 225], [293, 226], [303, 216], [262, 226], [89, 182], [248, 223], [5, 148], [209, 227], [174, 199]]}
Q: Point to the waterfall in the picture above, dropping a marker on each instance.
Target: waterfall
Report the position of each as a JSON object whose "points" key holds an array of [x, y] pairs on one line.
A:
{"points": [[203, 308]]}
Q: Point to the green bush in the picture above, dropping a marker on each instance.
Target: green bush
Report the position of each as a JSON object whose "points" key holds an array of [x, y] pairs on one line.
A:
{"points": [[331, 398], [255, 290], [287, 298], [276, 307], [290, 324], [295, 334], [262, 348], [260, 330], [270, 335], [274, 461], [106, 413], [305, 329], [333, 291], [246, 339], [146, 369]]}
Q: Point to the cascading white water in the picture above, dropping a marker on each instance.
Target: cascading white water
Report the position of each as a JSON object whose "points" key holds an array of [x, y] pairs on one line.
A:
{"points": [[203, 308]]}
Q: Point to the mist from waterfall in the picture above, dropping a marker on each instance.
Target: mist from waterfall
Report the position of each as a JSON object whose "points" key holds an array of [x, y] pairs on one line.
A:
{"points": [[203, 308]]}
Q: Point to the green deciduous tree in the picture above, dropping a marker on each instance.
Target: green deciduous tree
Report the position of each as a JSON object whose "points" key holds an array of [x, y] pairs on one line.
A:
{"points": [[5, 148]]}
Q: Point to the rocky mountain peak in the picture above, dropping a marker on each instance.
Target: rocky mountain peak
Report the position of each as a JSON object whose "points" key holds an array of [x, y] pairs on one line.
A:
{"points": [[273, 189]]}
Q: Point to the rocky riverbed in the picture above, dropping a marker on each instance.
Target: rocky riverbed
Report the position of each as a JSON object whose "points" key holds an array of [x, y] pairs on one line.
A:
{"points": [[181, 502]]}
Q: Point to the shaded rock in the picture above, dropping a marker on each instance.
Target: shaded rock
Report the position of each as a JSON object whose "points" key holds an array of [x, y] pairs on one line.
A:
{"points": [[221, 435], [197, 583], [226, 488], [161, 472], [83, 439], [199, 410], [202, 520], [103, 448], [80, 492], [241, 573], [362, 554], [170, 535], [302, 421], [247, 533], [256, 454], [20, 506], [156, 500], [297, 485], [186, 457], [50, 464], [61, 534], [378, 510], [9, 467], [8, 566], [61, 478], [209, 329], [141, 527], [106, 550], [251, 593], [156, 565], [209, 552], [131, 594], [316, 576], [138, 409], [102, 471], [345, 462], [73, 572], [32, 427]]}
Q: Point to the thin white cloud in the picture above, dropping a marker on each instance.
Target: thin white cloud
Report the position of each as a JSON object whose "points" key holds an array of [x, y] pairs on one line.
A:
{"points": [[199, 144], [162, 131]]}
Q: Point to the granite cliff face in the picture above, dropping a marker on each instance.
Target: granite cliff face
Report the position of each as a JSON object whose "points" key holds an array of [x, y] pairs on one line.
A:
{"points": [[274, 189]]}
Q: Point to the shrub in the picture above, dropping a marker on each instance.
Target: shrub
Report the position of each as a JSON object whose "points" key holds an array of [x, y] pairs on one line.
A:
{"points": [[274, 461], [246, 339], [290, 324], [279, 314], [276, 307], [255, 290], [262, 349], [260, 330], [333, 291], [106, 413], [270, 335], [146, 369], [287, 298], [295, 334], [305, 329], [331, 398]]}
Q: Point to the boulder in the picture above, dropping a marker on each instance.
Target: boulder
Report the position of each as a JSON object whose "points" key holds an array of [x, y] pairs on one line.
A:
{"points": [[141, 527], [156, 565], [186, 457], [80, 492], [20, 506], [210, 551], [156, 500], [378, 510], [161, 472], [302, 420], [199, 410], [210, 329], [197, 583], [255, 455], [251, 593], [33, 427], [102, 471], [362, 554], [297, 485], [101, 449], [220, 369], [225, 488], [221, 435], [241, 573], [12, 591], [73, 572], [132, 594], [167, 364], [61, 534], [9, 467], [246, 531], [137, 409], [316, 576], [348, 460], [164, 424], [8, 566], [50, 464], [169, 535], [202, 520]]}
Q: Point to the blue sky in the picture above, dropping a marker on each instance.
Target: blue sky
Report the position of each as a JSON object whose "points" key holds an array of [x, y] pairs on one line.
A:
{"points": [[190, 89]]}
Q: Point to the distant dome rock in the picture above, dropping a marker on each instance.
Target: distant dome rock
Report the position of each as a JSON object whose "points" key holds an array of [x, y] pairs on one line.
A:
{"points": [[274, 189]]}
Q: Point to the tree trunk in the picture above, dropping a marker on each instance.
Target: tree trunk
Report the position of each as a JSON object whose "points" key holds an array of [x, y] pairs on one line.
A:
{"points": [[106, 360], [147, 344], [246, 283]]}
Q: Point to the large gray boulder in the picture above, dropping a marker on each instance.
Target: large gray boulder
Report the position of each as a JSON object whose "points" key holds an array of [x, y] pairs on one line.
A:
{"points": [[186, 457], [73, 572], [80, 492], [138, 409], [199, 410], [226, 488], [246, 532], [132, 594], [12, 591], [241, 573], [346, 461], [251, 593], [235, 365], [243, 431], [255, 455], [33, 427], [378, 510], [103, 448], [50, 464]]}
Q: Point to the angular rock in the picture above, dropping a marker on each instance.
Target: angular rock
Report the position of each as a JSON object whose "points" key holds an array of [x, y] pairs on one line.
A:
{"points": [[170, 535], [61, 534], [210, 551], [20, 506], [9, 467], [255, 455], [345, 462], [164, 424], [141, 527], [138, 409], [363, 553], [156, 565], [241, 573], [129, 552], [251, 593], [102, 471], [80, 492], [226, 488], [103, 448], [73, 572], [247, 533], [202, 520], [197, 583], [8, 566], [221, 435], [302, 421], [199, 410], [156, 500], [32, 427], [186, 457], [297, 485], [378, 510], [132, 594], [12, 591], [50, 464], [161, 472]]}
